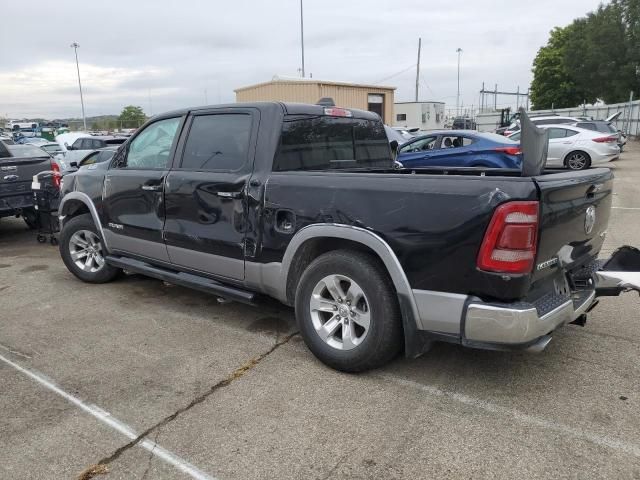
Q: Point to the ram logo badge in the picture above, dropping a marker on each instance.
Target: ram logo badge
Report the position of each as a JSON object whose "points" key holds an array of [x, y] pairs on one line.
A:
{"points": [[117, 226], [547, 264]]}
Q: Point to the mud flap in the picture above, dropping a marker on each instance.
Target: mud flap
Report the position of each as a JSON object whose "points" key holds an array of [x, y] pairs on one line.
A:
{"points": [[620, 273]]}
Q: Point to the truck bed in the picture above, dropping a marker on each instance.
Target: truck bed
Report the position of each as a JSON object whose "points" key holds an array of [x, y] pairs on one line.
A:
{"points": [[435, 219]]}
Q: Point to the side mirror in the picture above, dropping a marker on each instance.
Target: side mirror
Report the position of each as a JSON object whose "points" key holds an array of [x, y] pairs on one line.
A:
{"points": [[394, 148], [73, 164]]}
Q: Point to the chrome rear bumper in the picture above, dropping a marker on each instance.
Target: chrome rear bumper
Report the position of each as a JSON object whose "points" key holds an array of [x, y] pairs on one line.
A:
{"points": [[521, 325]]}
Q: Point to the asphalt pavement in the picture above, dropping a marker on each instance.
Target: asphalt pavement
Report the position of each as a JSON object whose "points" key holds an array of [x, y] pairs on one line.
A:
{"points": [[142, 380]]}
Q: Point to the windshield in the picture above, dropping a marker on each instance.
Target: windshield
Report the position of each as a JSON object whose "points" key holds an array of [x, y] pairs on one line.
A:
{"points": [[26, 151], [51, 148]]}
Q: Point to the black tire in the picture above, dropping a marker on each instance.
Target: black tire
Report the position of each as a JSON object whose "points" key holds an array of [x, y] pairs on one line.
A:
{"points": [[106, 272], [585, 155], [384, 338], [31, 219]]}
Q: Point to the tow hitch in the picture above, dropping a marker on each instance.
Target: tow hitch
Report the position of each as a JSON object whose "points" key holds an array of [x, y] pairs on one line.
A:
{"points": [[620, 273]]}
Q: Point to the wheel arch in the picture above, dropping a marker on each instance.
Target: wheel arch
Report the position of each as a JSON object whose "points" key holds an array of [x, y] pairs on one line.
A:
{"points": [[314, 240], [78, 203]]}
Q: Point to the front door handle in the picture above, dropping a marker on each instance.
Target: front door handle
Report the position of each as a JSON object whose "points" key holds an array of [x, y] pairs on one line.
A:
{"points": [[233, 195], [152, 188]]}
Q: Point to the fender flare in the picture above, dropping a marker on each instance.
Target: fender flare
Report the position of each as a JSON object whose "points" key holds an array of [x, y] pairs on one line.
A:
{"points": [[366, 238], [85, 199]]}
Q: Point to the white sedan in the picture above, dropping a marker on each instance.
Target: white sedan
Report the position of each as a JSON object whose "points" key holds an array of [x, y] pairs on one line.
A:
{"points": [[577, 148]]}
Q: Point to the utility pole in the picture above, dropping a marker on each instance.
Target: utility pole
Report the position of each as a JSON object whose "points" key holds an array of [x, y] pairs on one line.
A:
{"points": [[302, 36], [418, 68], [459, 50], [75, 46]]}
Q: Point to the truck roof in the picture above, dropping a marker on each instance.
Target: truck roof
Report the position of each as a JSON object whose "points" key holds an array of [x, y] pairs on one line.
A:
{"points": [[289, 108]]}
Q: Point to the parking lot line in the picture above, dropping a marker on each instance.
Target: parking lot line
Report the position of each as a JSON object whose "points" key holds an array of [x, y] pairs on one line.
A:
{"points": [[114, 423], [626, 208], [517, 415]]}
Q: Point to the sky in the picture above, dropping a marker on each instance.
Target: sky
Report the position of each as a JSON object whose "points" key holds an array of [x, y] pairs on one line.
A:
{"points": [[163, 55]]}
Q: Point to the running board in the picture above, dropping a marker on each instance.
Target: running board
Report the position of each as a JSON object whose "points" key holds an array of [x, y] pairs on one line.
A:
{"points": [[183, 279]]}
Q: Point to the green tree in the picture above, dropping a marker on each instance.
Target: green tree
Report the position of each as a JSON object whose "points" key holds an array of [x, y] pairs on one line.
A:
{"points": [[553, 84], [595, 57], [132, 116]]}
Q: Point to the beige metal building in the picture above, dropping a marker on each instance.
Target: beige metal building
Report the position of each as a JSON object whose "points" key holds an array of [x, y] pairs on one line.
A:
{"points": [[375, 98]]}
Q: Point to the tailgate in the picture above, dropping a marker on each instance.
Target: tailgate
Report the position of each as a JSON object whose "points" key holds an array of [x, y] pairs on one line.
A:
{"points": [[16, 175], [574, 209]]}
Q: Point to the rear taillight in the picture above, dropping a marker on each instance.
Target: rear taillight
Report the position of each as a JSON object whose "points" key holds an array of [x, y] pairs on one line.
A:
{"points": [[56, 174], [509, 244], [609, 139], [509, 150]]}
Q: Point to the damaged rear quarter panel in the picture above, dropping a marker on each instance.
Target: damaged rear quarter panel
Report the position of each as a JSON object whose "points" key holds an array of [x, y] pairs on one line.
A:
{"points": [[433, 223]]}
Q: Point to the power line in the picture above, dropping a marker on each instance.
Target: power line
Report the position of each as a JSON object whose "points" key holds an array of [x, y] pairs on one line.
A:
{"points": [[395, 74]]}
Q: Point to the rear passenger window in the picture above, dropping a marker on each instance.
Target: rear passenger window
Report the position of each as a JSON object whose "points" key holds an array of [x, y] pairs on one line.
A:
{"points": [[570, 133], [330, 143], [217, 142]]}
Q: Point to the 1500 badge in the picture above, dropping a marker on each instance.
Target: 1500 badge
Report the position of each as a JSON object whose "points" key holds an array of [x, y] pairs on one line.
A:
{"points": [[547, 264], [117, 226]]}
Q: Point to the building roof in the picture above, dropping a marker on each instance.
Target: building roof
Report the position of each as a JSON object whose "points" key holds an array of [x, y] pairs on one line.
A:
{"points": [[281, 79], [422, 101]]}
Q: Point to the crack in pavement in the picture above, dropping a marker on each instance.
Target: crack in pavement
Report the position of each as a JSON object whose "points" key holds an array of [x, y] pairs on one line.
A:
{"points": [[101, 467], [15, 352], [150, 460]]}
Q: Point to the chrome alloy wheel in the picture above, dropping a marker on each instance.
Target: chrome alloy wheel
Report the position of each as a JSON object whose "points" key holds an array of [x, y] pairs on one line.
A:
{"points": [[577, 161], [86, 251], [340, 312]]}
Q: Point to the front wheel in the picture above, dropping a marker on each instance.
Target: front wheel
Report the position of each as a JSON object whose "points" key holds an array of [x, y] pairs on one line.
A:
{"points": [[578, 161], [347, 311], [83, 253]]}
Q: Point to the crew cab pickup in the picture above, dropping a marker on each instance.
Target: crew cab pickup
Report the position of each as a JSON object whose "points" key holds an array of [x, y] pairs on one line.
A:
{"points": [[18, 165], [304, 203]]}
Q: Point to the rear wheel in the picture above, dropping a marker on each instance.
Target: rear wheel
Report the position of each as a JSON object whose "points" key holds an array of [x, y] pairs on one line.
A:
{"points": [[82, 251], [347, 311], [577, 161]]}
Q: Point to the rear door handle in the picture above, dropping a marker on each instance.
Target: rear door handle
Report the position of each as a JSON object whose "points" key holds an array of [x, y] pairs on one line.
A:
{"points": [[233, 195], [151, 188]]}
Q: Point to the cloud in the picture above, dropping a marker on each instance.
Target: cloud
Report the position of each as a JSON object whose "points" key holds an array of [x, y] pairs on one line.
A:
{"points": [[164, 55]]}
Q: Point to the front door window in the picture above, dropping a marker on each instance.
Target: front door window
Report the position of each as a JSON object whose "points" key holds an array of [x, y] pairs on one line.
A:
{"points": [[152, 147]]}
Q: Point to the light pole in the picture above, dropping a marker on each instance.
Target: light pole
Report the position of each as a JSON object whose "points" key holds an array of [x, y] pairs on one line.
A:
{"points": [[302, 37], [75, 46], [459, 50]]}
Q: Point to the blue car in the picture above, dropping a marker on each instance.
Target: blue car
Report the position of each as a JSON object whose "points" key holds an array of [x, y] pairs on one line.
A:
{"points": [[460, 148]]}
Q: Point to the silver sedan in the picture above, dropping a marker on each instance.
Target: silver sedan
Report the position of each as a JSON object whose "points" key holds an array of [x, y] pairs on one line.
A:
{"points": [[578, 148]]}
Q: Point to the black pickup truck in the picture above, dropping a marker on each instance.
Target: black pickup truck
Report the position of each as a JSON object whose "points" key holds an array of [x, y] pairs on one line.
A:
{"points": [[304, 203]]}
